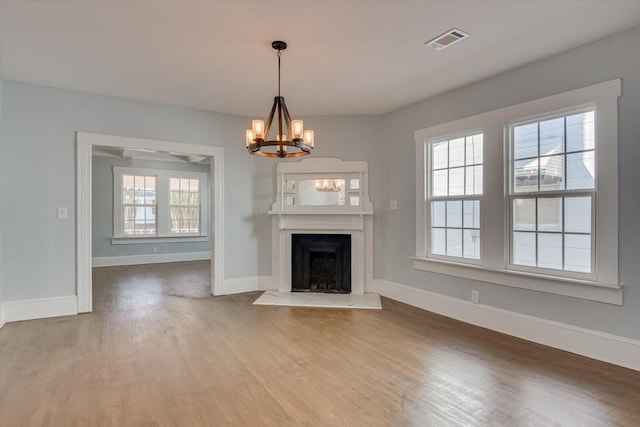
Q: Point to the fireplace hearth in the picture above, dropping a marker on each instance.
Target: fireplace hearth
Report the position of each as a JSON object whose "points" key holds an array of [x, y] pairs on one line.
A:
{"points": [[321, 263]]}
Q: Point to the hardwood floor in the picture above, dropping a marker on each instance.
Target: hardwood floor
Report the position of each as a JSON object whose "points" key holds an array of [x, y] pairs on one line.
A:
{"points": [[158, 351]]}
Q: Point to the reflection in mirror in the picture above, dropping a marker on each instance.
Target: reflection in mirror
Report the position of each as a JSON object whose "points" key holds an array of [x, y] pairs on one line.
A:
{"points": [[329, 185], [321, 192]]}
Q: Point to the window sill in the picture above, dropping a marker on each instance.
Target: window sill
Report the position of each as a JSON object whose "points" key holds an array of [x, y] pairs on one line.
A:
{"points": [[593, 291], [159, 239]]}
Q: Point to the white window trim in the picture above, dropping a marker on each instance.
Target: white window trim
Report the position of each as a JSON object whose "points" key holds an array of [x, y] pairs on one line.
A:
{"points": [[494, 222], [163, 234]]}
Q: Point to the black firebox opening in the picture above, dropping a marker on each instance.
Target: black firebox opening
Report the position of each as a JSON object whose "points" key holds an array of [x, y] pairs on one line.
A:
{"points": [[321, 263]]}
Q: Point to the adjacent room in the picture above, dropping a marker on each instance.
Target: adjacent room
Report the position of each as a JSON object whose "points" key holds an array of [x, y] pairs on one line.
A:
{"points": [[439, 227]]}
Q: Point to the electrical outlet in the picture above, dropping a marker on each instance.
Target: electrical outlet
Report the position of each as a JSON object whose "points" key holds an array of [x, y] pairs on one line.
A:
{"points": [[62, 213], [475, 296], [155, 250], [393, 205]]}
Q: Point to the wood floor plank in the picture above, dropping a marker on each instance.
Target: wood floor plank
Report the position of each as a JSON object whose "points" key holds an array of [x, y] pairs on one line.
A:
{"points": [[160, 351]]}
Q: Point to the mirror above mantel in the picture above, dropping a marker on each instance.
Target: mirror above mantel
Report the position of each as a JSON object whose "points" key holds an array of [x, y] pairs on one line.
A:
{"points": [[322, 186]]}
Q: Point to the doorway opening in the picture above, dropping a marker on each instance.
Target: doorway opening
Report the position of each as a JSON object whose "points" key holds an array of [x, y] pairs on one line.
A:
{"points": [[143, 224]]}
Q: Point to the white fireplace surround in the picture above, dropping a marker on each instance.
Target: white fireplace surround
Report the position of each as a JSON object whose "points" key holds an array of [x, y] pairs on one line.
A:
{"points": [[354, 217]]}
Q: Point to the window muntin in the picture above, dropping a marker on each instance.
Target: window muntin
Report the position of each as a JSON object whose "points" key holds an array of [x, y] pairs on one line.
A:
{"points": [[456, 182], [139, 205], [552, 193], [184, 205]]}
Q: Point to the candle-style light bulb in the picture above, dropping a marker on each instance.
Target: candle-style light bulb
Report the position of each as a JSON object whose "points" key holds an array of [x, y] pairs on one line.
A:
{"points": [[298, 129], [258, 129], [308, 138], [249, 137]]}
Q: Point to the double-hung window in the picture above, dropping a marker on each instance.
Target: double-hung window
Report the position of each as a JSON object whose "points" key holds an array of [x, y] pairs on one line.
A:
{"points": [[552, 192], [454, 196], [538, 182], [157, 203]]}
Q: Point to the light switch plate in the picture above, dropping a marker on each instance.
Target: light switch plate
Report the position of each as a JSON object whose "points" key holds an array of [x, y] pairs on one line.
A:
{"points": [[393, 204]]}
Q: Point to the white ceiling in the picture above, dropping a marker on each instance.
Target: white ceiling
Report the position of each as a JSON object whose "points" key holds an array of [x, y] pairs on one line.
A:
{"points": [[344, 57]]}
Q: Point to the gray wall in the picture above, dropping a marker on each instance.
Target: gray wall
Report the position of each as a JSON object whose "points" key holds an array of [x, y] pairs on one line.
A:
{"points": [[102, 208], [614, 57], [1, 203], [37, 137]]}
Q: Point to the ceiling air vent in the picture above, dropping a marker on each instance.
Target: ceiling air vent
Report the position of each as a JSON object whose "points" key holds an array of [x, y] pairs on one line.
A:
{"points": [[452, 36]]}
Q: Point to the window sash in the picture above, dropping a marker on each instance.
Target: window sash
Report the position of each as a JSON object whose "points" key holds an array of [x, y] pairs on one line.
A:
{"points": [[563, 196], [565, 153], [467, 225], [173, 229]]}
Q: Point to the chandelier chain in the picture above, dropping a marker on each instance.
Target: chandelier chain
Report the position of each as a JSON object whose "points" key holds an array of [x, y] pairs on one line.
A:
{"points": [[279, 72]]}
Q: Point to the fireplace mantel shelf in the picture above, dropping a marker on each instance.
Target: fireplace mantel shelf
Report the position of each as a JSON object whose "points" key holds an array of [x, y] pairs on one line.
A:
{"points": [[321, 212]]}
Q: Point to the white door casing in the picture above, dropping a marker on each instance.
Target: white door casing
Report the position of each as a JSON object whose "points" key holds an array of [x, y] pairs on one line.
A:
{"points": [[85, 142]]}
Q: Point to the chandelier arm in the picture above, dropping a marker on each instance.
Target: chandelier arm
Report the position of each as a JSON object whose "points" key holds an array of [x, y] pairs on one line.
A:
{"points": [[287, 119], [267, 127]]}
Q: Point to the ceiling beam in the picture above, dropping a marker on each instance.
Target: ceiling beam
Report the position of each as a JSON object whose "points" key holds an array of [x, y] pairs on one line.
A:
{"points": [[195, 159], [127, 153]]}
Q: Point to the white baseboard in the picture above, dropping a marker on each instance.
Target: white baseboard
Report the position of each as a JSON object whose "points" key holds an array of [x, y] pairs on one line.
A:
{"points": [[586, 342], [265, 282], [13, 311], [2, 321], [246, 284], [110, 261]]}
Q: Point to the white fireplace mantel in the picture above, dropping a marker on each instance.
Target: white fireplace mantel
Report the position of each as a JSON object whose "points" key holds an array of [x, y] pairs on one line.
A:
{"points": [[348, 211]]}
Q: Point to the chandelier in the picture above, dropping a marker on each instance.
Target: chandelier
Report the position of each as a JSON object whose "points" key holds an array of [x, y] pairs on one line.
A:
{"points": [[329, 185], [257, 138]]}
